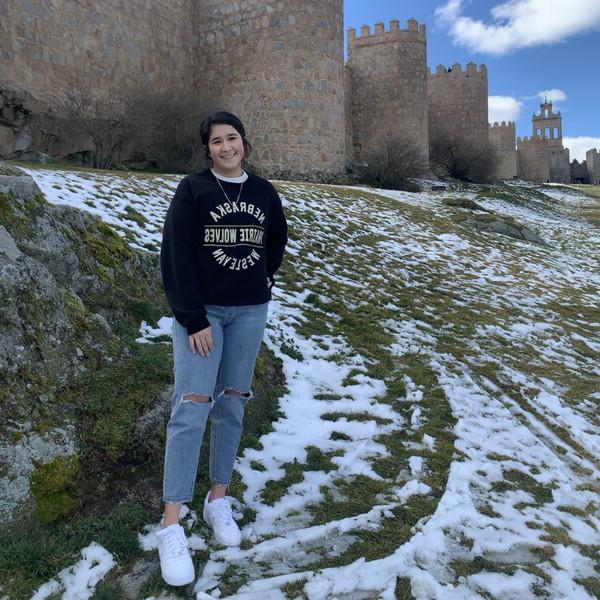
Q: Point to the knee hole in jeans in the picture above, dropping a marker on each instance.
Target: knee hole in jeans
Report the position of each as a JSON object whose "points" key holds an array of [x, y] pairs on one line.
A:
{"points": [[200, 399], [234, 392]]}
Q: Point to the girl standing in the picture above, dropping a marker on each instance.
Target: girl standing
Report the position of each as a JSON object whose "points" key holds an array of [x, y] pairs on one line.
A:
{"points": [[223, 240]]}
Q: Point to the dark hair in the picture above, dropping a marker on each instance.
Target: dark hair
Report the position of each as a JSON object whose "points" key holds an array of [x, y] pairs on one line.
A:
{"points": [[223, 117]]}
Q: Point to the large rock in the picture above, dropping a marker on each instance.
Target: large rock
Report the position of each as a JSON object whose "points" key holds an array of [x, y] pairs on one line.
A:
{"points": [[503, 225], [30, 130], [66, 281]]}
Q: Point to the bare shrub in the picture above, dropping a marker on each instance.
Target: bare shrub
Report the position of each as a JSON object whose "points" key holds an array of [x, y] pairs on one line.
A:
{"points": [[104, 118], [393, 164], [166, 131], [462, 158], [133, 126]]}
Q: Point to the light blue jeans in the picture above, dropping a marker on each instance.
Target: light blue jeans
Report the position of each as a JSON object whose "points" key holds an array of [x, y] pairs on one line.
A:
{"points": [[237, 332]]}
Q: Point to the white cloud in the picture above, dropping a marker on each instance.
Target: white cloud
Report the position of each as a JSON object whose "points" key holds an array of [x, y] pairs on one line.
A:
{"points": [[503, 108], [553, 95], [519, 23], [580, 145]]}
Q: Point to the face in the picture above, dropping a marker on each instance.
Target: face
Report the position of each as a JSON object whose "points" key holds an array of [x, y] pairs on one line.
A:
{"points": [[226, 149]]}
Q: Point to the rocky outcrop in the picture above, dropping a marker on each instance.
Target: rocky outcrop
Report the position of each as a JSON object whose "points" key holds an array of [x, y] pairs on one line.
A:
{"points": [[30, 130], [72, 295], [502, 225]]}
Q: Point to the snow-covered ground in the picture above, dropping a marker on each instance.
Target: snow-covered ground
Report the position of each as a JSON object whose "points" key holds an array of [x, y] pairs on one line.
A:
{"points": [[440, 430]]}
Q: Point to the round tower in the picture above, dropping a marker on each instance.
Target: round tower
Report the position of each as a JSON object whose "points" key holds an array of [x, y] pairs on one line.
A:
{"points": [[388, 79], [503, 139], [279, 65], [458, 102]]}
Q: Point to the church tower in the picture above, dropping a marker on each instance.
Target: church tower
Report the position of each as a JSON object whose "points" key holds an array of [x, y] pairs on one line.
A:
{"points": [[548, 125], [543, 158]]}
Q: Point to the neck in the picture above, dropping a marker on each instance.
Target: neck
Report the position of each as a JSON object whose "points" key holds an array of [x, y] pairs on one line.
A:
{"points": [[229, 172]]}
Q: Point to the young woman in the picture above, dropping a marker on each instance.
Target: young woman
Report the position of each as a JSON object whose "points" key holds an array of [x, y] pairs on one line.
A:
{"points": [[223, 240]]}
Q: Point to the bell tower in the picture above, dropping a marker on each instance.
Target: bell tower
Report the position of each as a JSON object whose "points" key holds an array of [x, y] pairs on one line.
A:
{"points": [[548, 125]]}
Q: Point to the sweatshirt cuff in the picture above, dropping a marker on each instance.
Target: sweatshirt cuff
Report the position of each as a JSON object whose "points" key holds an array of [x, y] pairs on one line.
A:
{"points": [[198, 325]]}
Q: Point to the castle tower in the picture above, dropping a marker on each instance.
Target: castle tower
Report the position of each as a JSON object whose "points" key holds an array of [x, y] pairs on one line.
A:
{"points": [[502, 137], [279, 65], [533, 161], [388, 82], [545, 145], [592, 160], [458, 102]]}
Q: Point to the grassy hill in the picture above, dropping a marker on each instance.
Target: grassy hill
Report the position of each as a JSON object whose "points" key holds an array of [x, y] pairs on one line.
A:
{"points": [[439, 436]]}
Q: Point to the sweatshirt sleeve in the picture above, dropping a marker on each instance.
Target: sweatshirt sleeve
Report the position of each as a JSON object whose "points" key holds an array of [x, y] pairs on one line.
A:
{"points": [[178, 261], [276, 236]]}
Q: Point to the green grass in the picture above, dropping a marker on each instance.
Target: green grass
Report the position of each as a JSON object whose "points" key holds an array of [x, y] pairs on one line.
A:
{"points": [[112, 402], [32, 553]]}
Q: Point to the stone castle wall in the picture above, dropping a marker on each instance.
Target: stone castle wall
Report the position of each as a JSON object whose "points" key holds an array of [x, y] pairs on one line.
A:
{"points": [[579, 172], [279, 65], [388, 78], [592, 159], [503, 139], [47, 47], [458, 101], [533, 161], [560, 164]]}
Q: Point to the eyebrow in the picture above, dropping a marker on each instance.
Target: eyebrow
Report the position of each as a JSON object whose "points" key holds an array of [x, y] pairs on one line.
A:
{"points": [[218, 137]]}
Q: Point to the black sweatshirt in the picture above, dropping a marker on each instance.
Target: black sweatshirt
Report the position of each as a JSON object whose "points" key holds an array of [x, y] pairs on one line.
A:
{"points": [[219, 250]]}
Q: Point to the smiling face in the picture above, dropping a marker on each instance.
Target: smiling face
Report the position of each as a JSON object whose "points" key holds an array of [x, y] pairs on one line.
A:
{"points": [[226, 149]]}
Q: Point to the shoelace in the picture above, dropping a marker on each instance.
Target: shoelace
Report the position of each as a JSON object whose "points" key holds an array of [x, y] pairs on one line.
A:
{"points": [[175, 543], [221, 512]]}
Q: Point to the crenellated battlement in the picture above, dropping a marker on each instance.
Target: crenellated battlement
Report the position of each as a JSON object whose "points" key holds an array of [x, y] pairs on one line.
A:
{"points": [[531, 141], [414, 32], [456, 70], [503, 125]]}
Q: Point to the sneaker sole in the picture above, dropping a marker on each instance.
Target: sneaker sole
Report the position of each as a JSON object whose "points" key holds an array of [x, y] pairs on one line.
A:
{"points": [[223, 542], [181, 581]]}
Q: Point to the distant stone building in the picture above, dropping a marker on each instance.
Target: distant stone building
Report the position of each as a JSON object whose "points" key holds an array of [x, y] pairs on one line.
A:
{"points": [[502, 137], [542, 158], [592, 159]]}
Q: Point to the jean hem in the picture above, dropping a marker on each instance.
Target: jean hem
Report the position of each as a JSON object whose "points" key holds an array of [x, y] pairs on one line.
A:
{"points": [[177, 500], [220, 482]]}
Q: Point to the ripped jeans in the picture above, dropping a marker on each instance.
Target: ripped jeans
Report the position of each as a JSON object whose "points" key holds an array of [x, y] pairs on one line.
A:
{"points": [[237, 332]]}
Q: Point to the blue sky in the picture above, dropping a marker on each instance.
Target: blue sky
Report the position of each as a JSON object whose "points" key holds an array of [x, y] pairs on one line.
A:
{"points": [[529, 46]]}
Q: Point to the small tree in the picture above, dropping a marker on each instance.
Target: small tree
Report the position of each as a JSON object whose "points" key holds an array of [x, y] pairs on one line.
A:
{"points": [[393, 164], [460, 157], [103, 118]]}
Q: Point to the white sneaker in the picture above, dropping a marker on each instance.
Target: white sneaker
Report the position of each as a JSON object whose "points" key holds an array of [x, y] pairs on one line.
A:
{"points": [[175, 561], [218, 515]]}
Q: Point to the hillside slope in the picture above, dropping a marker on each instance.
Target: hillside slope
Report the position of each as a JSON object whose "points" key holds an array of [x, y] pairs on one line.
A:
{"points": [[440, 433]]}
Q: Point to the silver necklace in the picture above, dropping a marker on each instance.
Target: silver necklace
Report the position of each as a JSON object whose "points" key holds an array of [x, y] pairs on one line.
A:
{"points": [[225, 193]]}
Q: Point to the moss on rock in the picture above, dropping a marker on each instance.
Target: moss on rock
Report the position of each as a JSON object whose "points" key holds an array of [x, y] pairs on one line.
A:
{"points": [[52, 488]]}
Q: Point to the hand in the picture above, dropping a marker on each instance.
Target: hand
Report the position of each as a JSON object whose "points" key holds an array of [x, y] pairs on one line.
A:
{"points": [[202, 341], [269, 283]]}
